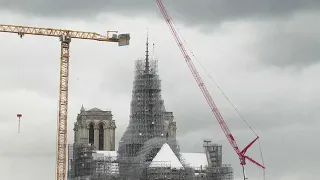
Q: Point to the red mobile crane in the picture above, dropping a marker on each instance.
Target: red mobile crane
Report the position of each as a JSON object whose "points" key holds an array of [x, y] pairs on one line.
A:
{"points": [[206, 93]]}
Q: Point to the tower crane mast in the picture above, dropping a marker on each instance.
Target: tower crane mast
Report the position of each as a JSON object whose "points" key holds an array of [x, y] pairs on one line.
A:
{"points": [[65, 37], [204, 90]]}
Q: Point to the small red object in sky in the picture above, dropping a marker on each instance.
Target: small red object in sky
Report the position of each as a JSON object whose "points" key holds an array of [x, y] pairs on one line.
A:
{"points": [[19, 116]]}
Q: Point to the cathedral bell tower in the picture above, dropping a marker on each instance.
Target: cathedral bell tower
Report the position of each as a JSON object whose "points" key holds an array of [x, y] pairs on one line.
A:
{"points": [[96, 127]]}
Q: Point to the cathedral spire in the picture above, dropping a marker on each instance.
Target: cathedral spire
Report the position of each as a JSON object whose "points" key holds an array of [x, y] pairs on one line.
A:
{"points": [[147, 55], [82, 108]]}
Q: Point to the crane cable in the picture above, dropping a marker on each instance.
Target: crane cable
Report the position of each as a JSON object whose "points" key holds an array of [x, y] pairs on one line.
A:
{"points": [[225, 96]]}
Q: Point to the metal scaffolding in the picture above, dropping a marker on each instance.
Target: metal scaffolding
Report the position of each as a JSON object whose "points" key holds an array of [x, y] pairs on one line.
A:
{"points": [[213, 153], [85, 162], [150, 125], [216, 170], [165, 173], [81, 161]]}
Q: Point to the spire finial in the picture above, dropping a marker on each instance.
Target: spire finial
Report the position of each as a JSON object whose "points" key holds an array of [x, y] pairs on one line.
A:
{"points": [[82, 108], [147, 53]]}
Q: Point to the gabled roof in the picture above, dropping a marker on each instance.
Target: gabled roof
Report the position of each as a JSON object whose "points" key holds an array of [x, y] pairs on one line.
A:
{"points": [[166, 158], [95, 109]]}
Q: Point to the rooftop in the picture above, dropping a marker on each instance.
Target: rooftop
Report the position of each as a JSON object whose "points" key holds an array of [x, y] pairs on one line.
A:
{"points": [[166, 158]]}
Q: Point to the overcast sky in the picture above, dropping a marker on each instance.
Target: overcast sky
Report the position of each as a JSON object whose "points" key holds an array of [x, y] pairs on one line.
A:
{"points": [[263, 54]]}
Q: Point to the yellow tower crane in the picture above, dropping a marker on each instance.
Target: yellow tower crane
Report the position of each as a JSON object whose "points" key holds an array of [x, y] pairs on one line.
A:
{"points": [[65, 39]]}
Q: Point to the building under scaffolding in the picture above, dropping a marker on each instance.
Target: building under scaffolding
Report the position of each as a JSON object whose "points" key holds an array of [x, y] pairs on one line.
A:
{"points": [[81, 162], [216, 170], [150, 124], [148, 148], [84, 162]]}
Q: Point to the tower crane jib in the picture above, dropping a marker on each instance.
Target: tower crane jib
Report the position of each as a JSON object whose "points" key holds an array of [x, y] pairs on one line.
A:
{"points": [[65, 39]]}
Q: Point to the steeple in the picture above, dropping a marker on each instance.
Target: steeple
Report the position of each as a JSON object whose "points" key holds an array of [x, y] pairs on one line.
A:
{"points": [[82, 108], [147, 55]]}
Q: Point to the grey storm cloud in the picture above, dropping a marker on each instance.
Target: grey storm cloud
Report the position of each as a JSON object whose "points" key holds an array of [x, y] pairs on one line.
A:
{"points": [[279, 46], [197, 12], [295, 49], [290, 42]]}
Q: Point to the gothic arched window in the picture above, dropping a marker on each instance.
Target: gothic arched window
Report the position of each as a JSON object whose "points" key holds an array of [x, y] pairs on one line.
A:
{"points": [[101, 137], [91, 134]]}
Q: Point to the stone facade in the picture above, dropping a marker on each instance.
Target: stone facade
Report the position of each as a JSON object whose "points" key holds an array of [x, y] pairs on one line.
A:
{"points": [[170, 125], [95, 126]]}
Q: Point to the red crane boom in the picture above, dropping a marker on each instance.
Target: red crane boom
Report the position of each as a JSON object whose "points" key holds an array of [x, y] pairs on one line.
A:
{"points": [[206, 93]]}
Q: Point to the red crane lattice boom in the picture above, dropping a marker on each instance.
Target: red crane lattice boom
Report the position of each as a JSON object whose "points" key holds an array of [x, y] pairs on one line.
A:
{"points": [[205, 91]]}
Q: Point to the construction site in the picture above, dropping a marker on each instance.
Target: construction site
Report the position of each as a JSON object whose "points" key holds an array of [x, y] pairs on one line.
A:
{"points": [[149, 148]]}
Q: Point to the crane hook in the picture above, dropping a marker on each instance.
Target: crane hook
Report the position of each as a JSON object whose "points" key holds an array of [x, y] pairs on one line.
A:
{"points": [[244, 174], [21, 34]]}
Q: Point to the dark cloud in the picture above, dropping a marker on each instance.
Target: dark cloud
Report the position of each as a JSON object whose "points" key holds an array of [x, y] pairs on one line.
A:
{"points": [[205, 11], [290, 42], [281, 44], [291, 49]]}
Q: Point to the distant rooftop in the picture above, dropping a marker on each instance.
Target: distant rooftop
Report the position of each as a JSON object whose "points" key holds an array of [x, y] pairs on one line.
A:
{"points": [[166, 158], [93, 112], [95, 109], [194, 160]]}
